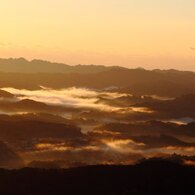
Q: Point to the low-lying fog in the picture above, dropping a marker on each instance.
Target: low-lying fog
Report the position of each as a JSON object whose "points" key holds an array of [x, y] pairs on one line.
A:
{"points": [[70, 97], [85, 126]]}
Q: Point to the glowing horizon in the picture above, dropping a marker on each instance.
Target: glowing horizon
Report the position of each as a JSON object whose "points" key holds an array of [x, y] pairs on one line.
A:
{"points": [[132, 33]]}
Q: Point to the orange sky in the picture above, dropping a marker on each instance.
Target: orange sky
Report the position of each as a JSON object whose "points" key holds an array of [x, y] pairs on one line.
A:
{"points": [[132, 33]]}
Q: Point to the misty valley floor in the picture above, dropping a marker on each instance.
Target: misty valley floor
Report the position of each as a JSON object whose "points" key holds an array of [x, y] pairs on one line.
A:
{"points": [[72, 127]]}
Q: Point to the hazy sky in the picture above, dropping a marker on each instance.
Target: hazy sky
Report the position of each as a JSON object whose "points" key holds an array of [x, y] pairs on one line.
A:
{"points": [[147, 33]]}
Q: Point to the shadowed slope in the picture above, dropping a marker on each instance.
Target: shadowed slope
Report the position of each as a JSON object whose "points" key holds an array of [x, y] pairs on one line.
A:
{"points": [[8, 158], [148, 178]]}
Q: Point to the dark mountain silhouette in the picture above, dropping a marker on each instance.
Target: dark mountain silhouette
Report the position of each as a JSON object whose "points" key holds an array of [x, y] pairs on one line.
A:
{"points": [[5, 94], [125, 100], [55, 164], [8, 158], [183, 106], [24, 129], [42, 117], [27, 105], [149, 177], [148, 128], [161, 141], [153, 128]]}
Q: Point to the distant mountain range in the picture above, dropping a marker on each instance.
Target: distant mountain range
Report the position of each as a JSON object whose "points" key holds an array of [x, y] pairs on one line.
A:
{"points": [[21, 65], [40, 66], [20, 73]]}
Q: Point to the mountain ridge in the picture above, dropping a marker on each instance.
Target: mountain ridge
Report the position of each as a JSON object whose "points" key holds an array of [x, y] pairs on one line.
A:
{"points": [[22, 65], [18, 65]]}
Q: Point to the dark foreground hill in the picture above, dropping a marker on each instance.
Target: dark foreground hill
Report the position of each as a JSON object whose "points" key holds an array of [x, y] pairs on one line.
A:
{"points": [[148, 178]]}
